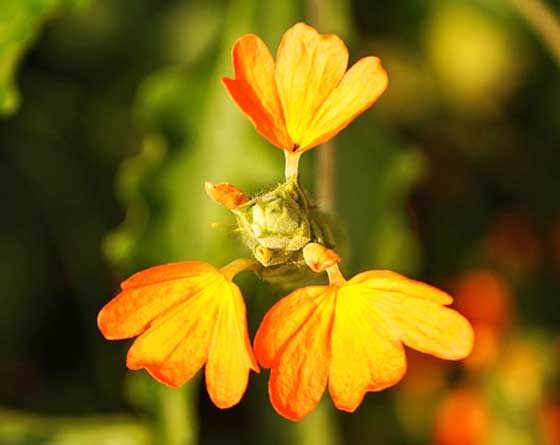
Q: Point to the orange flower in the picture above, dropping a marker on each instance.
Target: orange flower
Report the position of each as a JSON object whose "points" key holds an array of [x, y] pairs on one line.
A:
{"points": [[185, 314], [306, 97], [350, 336], [462, 418], [486, 301]]}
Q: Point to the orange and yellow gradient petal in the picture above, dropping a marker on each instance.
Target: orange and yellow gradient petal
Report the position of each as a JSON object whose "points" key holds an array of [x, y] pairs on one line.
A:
{"points": [[293, 340], [350, 336], [308, 68], [185, 315]]}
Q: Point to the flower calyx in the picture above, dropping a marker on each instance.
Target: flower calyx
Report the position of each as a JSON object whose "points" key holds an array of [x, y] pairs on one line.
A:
{"points": [[278, 224]]}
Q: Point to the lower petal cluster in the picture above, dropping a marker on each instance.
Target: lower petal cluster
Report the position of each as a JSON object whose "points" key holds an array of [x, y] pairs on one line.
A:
{"points": [[348, 336]]}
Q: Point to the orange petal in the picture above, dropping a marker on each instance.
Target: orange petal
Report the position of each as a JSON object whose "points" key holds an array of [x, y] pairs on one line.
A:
{"points": [[357, 91], [281, 322], [254, 89], [176, 346], [388, 281], [148, 294], [294, 339], [428, 327], [167, 272], [308, 67], [365, 357], [433, 329], [231, 356]]}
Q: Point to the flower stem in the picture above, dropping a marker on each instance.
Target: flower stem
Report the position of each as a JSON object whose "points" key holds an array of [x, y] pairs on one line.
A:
{"points": [[321, 14], [292, 163], [319, 427], [324, 177], [236, 266], [178, 422], [335, 276]]}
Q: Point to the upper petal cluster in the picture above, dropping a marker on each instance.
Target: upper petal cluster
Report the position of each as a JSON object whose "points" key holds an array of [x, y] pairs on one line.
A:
{"points": [[350, 338], [306, 96], [185, 315]]}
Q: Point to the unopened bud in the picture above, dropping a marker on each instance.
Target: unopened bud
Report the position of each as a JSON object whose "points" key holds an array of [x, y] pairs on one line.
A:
{"points": [[263, 254], [226, 194], [319, 258]]}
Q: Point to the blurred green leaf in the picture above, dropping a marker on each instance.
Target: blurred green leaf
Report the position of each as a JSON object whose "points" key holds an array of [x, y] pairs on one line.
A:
{"points": [[20, 23], [203, 136], [27, 429], [375, 176]]}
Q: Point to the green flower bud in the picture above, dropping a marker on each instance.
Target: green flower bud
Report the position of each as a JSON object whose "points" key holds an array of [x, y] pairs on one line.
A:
{"points": [[278, 224]]}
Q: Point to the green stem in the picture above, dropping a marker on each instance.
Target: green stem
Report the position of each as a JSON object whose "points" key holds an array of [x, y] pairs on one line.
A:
{"points": [[318, 427], [177, 415], [324, 177], [291, 165]]}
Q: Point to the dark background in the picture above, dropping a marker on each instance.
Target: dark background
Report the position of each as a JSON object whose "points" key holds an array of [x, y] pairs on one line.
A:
{"points": [[113, 117]]}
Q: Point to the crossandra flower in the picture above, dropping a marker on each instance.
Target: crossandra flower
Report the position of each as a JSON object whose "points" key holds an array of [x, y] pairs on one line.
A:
{"points": [[306, 96], [185, 315], [350, 335]]}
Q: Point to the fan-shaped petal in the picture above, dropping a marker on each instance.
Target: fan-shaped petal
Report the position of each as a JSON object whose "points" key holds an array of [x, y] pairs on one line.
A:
{"points": [[188, 314]]}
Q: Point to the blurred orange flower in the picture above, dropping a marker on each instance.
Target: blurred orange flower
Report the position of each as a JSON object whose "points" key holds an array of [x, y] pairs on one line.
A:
{"points": [[350, 336], [186, 314], [485, 299], [306, 97], [549, 422], [463, 418]]}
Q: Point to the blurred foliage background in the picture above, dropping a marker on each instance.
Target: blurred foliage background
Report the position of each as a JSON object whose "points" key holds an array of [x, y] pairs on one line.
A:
{"points": [[112, 118]]}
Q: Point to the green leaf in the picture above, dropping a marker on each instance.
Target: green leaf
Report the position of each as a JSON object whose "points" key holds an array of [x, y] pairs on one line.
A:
{"points": [[20, 24]]}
